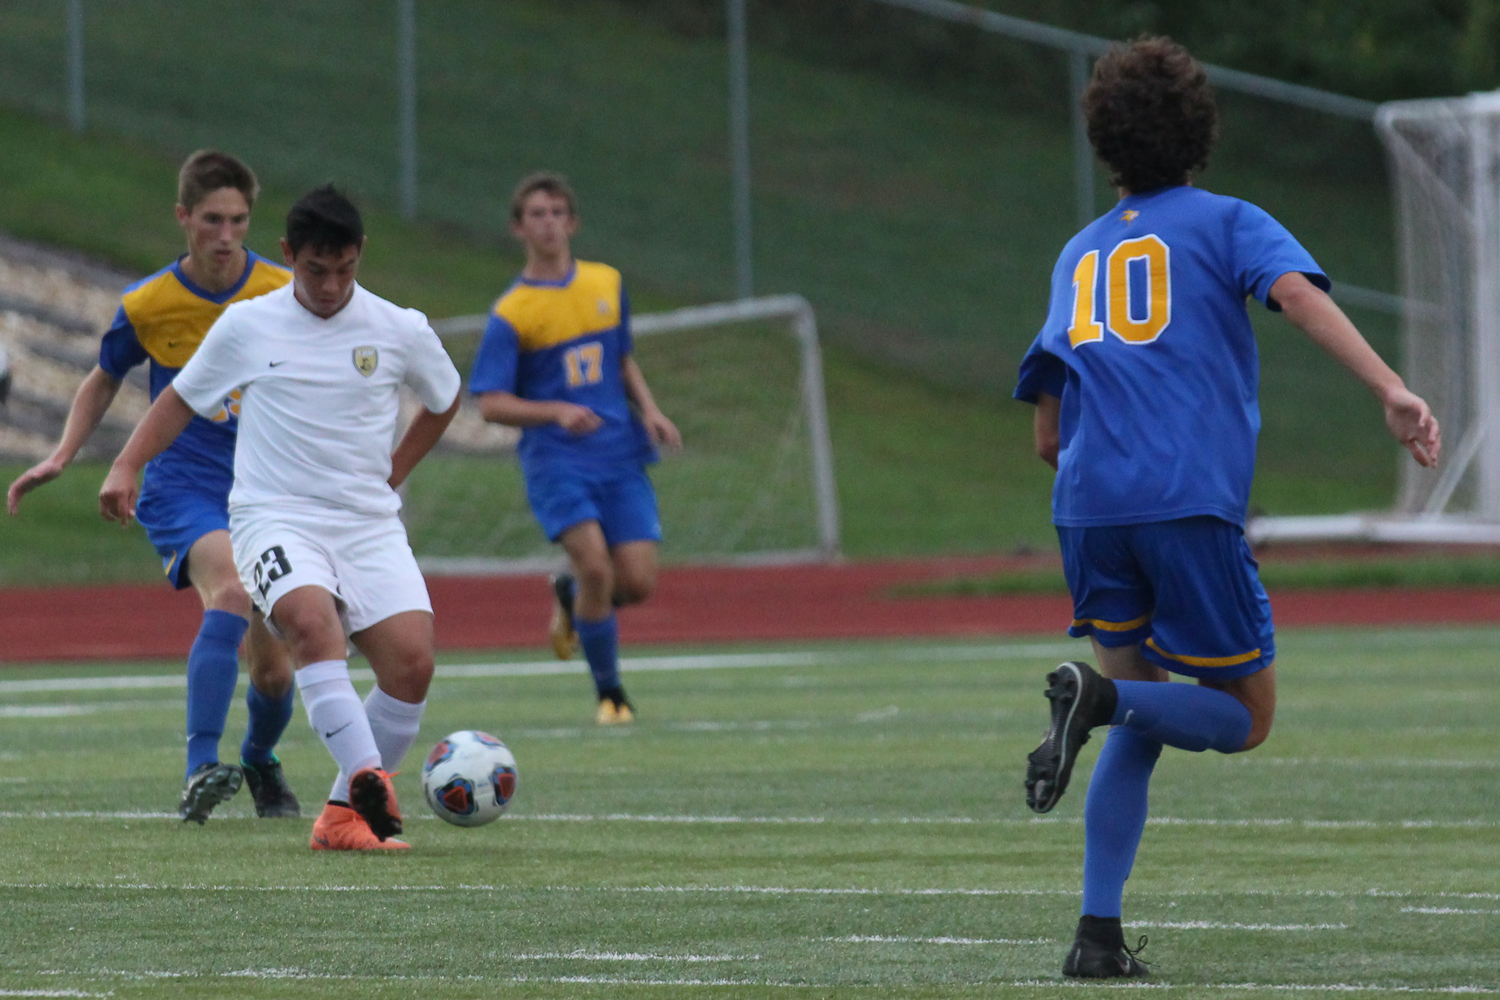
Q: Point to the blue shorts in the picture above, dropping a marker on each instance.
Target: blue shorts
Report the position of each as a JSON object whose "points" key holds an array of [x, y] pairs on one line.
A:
{"points": [[175, 517], [621, 499], [1187, 590]]}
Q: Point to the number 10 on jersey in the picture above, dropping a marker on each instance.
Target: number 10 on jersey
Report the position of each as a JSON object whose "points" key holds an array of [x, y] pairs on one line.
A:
{"points": [[1133, 322]]}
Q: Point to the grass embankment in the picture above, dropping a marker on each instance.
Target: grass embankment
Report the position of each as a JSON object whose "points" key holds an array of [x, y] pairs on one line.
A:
{"points": [[922, 227]]}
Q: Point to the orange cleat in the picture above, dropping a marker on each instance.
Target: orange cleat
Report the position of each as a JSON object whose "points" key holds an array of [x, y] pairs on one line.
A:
{"points": [[340, 828], [374, 797]]}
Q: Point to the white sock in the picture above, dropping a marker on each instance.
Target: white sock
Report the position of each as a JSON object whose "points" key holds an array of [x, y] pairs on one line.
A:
{"points": [[394, 723], [339, 719]]}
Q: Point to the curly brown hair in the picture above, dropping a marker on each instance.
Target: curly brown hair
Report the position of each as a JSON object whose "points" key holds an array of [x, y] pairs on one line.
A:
{"points": [[1151, 114]]}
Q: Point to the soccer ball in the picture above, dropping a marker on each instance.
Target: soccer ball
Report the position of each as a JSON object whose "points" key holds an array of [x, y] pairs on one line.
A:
{"points": [[469, 777]]}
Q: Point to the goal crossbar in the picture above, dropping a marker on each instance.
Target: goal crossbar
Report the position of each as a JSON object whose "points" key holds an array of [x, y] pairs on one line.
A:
{"points": [[798, 313]]}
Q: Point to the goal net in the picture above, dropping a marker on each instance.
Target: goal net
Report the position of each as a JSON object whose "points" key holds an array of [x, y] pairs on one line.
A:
{"points": [[1445, 167], [743, 381]]}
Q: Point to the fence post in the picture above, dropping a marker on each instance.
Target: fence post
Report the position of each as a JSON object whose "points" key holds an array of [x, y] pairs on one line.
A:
{"points": [[739, 149], [75, 65], [406, 86], [1083, 153]]}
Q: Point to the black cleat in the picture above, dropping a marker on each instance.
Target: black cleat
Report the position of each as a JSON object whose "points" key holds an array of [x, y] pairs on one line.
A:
{"points": [[1081, 699], [1099, 952], [273, 797], [206, 787]]}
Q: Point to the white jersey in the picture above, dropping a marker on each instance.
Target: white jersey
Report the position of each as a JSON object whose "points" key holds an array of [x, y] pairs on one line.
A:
{"points": [[319, 403]]}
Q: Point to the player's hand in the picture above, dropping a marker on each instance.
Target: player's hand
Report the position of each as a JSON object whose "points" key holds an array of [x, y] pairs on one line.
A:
{"points": [[39, 474], [578, 420], [118, 495], [662, 430], [1412, 423]]}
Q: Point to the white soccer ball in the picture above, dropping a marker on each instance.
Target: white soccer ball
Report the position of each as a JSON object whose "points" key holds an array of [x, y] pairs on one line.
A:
{"points": [[469, 777]]}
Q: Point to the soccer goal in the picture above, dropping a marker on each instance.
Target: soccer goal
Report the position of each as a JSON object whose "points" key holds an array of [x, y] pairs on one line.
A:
{"points": [[753, 484], [1445, 166]]}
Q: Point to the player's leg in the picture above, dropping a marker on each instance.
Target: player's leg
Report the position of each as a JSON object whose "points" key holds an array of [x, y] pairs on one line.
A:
{"points": [[400, 651], [635, 572], [594, 616], [269, 698], [632, 530], [213, 666]]}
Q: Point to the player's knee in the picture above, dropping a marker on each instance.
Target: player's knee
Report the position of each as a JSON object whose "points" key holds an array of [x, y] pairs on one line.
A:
{"points": [[410, 681], [228, 595], [271, 674], [595, 577], [1260, 728], [634, 588]]}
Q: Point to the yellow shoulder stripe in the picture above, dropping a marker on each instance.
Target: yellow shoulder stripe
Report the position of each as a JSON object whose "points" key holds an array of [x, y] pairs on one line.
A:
{"points": [[547, 315]]}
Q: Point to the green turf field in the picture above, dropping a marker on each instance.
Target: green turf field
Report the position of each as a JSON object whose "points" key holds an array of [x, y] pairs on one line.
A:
{"points": [[841, 821]]}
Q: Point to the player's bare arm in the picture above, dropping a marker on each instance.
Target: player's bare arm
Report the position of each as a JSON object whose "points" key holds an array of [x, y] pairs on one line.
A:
{"points": [[662, 430], [1406, 414], [167, 418], [511, 410], [418, 440], [1045, 428], [90, 402]]}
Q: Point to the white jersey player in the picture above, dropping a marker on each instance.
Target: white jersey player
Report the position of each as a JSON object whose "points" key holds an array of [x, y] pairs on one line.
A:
{"points": [[313, 511]]}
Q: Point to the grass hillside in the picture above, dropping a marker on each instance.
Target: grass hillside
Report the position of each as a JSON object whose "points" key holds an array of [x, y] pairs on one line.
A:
{"points": [[922, 225]]}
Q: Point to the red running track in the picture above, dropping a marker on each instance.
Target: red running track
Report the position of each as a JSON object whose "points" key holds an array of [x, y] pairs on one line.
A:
{"points": [[692, 604]]}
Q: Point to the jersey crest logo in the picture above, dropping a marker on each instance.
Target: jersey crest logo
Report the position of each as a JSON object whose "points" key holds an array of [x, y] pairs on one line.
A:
{"points": [[603, 308], [1130, 215], [366, 360]]}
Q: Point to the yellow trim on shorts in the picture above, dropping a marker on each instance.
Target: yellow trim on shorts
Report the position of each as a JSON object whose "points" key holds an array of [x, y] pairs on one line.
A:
{"points": [[1207, 661], [1112, 626]]}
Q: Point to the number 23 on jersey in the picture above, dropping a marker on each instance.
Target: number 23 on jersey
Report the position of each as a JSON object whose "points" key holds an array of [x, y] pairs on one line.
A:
{"points": [[1125, 316]]}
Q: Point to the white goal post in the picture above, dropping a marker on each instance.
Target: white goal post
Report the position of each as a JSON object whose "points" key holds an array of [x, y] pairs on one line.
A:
{"points": [[1445, 165], [808, 424]]}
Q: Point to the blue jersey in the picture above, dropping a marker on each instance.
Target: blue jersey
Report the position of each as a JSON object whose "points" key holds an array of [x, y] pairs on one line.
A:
{"points": [[566, 340], [1148, 344], [162, 319]]}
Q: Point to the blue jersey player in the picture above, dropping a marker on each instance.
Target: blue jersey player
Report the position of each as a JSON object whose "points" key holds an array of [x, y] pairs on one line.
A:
{"points": [[184, 505], [556, 361], [1145, 384]]}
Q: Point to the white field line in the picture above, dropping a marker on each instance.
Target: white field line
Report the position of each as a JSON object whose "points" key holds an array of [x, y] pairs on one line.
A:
{"points": [[1049, 984], [1209, 925], [1447, 910], [1307, 824], [82, 708], [52, 993], [752, 890], [729, 661], [885, 939], [625, 956]]}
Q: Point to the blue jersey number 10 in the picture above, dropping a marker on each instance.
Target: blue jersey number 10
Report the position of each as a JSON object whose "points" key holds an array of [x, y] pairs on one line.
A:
{"points": [[1133, 322]]}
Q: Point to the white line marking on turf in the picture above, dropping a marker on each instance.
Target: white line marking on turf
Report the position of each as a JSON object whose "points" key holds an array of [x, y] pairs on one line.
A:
{"points": [[1209, 925], [1308, 824], [730, 661], [628, 956], [81, 708], [1049, 984], [52, 993], [885, 939], [1444, 909]]}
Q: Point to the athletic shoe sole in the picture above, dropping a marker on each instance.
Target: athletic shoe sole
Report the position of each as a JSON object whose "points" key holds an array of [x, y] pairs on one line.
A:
{"points": [[371, 795], [208, 790], [1050, 765]]}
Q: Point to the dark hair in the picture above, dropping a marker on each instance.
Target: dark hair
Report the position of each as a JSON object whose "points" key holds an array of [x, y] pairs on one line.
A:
{"points": [[326, 220], [1151, 113], [208, 170], [542, 180]]}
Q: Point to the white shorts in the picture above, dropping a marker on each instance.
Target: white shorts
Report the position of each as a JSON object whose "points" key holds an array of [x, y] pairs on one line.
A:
{"points": [[365, 562]]}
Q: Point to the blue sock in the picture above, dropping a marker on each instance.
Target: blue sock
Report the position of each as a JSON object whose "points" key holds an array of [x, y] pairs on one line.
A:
{"points": [[601, 647], [268, 720], [1114, 815], [1184, 716], [213, 669]]}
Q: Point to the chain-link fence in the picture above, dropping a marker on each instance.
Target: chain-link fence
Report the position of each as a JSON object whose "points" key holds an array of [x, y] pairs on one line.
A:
{"points": [[920, 212]]}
